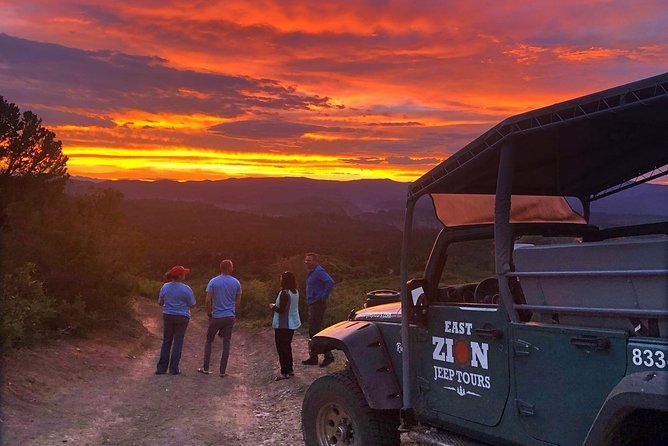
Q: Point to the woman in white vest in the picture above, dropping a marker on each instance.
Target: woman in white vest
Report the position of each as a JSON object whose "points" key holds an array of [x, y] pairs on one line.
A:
{"points": [[286, 321]]}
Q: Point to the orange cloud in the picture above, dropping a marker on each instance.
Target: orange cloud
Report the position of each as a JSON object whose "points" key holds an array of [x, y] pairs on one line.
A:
{"points": [[638, 54], [140, 119]]}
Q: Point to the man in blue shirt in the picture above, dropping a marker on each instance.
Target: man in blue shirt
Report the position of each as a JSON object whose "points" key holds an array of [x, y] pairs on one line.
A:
{"points": [[319, 285], [223, 294]]}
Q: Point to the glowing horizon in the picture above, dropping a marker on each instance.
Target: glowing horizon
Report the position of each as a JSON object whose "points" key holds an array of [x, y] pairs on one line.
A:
{"points": [[108, 162], [344, 90]]}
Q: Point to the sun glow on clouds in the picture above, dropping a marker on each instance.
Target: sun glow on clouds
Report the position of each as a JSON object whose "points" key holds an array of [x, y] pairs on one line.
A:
{"points": [[139, 119], [337, 137], [107, 162], [342, 90]]}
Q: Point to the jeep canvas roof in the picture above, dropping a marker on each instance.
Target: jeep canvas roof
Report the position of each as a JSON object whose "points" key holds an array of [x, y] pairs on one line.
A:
{"points": [[579, 148]]}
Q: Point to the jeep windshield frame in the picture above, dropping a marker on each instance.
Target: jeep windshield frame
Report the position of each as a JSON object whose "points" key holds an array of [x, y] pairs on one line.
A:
{"points": [[589, 148]]}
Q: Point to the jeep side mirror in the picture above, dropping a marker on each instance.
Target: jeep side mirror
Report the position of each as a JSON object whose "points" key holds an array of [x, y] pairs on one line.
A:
{"points": [[417, 298], [415, 290]]}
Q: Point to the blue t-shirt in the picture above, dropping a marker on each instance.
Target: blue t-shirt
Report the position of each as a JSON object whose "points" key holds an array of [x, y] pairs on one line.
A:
{"points": [[175, 298], [319, 285], [224, 289]]}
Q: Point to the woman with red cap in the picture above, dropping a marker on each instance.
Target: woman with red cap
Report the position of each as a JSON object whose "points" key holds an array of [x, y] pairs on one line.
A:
{"points": [[176, 299]]}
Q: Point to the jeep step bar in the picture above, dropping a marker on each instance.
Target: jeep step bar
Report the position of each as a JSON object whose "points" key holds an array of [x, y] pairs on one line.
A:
{"points": [[435, 437]]}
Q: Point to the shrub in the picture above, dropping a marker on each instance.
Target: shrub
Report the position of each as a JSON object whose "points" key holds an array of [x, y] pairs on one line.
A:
{"points": [[255, 300], [74, 318], [198, 285], [27, 313], [148, 288], [349, 294]]}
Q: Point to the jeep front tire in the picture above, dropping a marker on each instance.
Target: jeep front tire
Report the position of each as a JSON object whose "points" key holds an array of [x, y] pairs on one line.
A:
{"points": [[335, 413]]}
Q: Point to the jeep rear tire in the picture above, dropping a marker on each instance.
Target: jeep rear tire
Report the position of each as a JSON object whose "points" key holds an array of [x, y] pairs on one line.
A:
{"points": [[641, 427], [335, 413]]}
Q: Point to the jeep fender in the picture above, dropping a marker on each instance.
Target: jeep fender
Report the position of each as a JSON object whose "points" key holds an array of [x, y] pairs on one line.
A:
{"points": [[641, 390], [369, 360]]}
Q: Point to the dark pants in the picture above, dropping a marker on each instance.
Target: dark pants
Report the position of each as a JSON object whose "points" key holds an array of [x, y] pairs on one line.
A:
{"points": [[174, 330], [283, 338], [224, 325], [316, 313]]}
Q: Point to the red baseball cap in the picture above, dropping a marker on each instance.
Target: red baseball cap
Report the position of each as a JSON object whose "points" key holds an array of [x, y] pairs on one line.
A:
{"points": [[177, 271]]}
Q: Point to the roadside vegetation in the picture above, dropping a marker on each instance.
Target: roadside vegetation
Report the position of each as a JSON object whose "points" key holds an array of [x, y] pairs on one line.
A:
{"points": [[68, 263]]}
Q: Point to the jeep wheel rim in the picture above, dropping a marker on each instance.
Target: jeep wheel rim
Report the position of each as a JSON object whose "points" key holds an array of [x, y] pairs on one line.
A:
{"points": [[334, 426]]}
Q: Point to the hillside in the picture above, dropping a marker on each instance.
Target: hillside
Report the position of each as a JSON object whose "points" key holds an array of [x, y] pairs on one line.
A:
{"points": [[266, 195], [172, 232], [380, 201]]}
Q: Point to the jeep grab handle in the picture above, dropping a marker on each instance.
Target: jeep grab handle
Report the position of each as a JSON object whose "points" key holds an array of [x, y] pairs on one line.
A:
{"points": [[490, 333], [591, 342]]}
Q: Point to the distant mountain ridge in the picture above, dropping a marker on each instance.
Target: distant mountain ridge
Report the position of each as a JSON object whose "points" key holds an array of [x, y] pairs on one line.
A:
{"points": [[366, 199], [266, 195]]}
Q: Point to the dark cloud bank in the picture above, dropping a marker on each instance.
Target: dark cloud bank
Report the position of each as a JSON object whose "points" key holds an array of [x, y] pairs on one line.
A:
{"points": [[53, 75]]}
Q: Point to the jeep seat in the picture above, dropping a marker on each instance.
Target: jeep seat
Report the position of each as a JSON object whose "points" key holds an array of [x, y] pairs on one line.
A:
{"points": [[624, 288]]}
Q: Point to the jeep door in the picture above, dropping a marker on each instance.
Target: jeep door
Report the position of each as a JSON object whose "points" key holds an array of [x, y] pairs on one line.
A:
{"points": [[463, 362], [461, 347], [562, 376]]}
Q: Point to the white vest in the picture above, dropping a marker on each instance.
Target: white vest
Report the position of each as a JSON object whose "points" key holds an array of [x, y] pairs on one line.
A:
{"points": [[290, 317]]}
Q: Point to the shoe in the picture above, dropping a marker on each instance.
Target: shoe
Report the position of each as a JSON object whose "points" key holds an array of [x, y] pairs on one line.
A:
{"points": [[310, 361], [178, 372], [291, 374], [282, 377], [204, 371], [327, 361], [158, 372], [223, 375]]}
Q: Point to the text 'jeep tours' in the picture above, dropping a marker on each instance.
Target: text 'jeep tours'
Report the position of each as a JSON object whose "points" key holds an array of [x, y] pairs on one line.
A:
{"points": [[562, 335]]}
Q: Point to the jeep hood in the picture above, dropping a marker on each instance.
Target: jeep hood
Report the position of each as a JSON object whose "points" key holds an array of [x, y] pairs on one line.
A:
{"points": [[385, 312]]}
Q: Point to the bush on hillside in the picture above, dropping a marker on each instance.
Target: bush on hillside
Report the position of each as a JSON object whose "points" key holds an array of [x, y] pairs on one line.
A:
{"points": [[27, 313], [82, 256], [74, 318], [351, 294], [80, 248], [148, 288], [255, 299]]}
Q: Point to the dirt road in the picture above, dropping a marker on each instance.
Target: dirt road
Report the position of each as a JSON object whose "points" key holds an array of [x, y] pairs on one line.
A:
{"points": [[102, 391]]}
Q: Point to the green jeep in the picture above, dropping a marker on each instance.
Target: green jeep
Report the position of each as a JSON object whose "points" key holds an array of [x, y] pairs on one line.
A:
{"points": [[562, 335]]}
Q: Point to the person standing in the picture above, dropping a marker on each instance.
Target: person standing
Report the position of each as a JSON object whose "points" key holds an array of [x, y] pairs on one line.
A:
{"points": [[223, 294], [285, 322], [319, 285], [176, 299]]}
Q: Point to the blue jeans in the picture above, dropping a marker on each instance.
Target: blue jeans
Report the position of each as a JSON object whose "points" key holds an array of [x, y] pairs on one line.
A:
{"points": [[223, 325], [174, 330]]}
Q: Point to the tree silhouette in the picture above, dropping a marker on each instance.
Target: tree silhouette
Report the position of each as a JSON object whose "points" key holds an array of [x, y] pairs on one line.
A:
{"points": [[27, 149]]}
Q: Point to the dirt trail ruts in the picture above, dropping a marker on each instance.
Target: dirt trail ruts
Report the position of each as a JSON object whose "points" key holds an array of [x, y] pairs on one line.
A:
{"points": [[102, 390]]}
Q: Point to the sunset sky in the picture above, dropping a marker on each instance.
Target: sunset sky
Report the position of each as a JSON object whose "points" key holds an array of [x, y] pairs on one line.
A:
{"points": [[325, 89]]}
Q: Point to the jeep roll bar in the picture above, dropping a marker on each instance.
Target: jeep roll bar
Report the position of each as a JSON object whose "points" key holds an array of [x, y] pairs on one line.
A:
{"points": [[589, 148]]}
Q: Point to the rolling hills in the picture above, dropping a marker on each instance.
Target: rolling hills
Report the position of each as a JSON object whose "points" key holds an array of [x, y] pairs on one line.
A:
{"points": [[368, 200]]}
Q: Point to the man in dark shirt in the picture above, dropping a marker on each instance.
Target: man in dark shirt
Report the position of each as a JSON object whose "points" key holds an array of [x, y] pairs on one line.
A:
{"points": [[319, 285]]}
